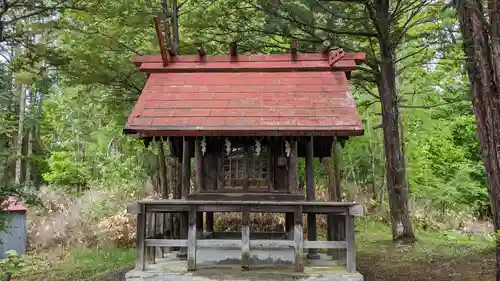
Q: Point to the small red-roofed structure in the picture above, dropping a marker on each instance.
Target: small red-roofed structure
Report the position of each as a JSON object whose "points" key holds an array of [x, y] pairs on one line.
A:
{"points": [[246, 120]]}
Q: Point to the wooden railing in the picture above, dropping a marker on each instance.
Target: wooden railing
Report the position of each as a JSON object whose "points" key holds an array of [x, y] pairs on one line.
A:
{"points": [[192, 208]]}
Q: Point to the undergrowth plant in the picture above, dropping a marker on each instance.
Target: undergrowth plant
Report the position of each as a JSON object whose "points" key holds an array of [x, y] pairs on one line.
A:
{"points": [[19, 265]]}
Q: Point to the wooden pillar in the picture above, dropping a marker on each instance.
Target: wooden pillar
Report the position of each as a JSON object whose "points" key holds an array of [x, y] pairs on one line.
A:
{"points": [[209, 216], [186, 180], [186, 168], [289, 225], [192, 233], [298, 239], [293, 168], [198, 162], [175, 173], [311, 196], [151, 233], [199, 225], [199, 184], [245, 237], [338, 225], [140, 262], [166, 218], [351, 246]]}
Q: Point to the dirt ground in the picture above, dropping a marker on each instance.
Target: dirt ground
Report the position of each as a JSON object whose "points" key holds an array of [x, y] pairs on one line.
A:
{"points": [[478, 267]]}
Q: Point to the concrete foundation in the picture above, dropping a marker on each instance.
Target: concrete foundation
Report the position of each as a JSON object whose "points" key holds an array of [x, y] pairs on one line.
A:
{"points": [[224, 265]]}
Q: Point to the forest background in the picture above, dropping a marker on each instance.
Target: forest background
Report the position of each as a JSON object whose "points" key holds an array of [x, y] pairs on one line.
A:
{"points": [[67, 86]]}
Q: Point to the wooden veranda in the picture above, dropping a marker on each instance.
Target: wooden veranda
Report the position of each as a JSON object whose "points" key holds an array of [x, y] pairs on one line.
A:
{"points": [[197, 237]]}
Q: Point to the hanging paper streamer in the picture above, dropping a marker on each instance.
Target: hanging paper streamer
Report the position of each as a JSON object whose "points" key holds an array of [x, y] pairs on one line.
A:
{"points": [[258, 147], [203, 146], [288, 149], [228, 147]]}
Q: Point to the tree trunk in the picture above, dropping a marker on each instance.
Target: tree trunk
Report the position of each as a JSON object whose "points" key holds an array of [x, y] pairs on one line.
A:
{"points": [[163, 170], [397, 185], [29, 149], [175, 25], [482, 64], [168, 35], [20, 134]]}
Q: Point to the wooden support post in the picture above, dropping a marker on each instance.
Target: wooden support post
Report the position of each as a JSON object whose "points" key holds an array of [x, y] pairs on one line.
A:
{"points": [[191, 250], [338, 225], [140, 262], [331, 228], [336, 173], [152, 233], [311, 196], [209, 216], [329, 232], [184, 233], [186, 168], [293, 168], [199, 225], [298, 239], [176, 188], [198, 162], [246, 183], [245, 237], [339, 235], [186, 181], [289, 224], [351, 246]]}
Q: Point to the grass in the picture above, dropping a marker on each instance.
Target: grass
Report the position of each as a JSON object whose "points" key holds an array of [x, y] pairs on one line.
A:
{"points": [[438, 255], [374, 237], [82, 264]]}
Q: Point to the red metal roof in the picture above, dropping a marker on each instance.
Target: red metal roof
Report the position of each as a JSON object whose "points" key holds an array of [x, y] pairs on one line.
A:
{"points": [[11, 203], [246, 95]]}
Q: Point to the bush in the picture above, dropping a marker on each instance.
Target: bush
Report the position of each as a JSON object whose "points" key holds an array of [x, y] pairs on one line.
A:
{"points": [[18, 264]]}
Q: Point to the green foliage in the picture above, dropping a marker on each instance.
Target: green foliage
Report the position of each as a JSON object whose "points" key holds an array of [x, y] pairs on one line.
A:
{"points": [[18, 265], [65, 171], [86, 86], [82, 264]]}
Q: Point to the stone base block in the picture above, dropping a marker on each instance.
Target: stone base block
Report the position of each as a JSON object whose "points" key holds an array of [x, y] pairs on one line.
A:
{"points": [[172, 269]]}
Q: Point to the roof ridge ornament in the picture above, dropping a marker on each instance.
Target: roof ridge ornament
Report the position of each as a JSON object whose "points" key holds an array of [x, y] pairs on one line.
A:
{"points": [[335, 55], [326, 47]]}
